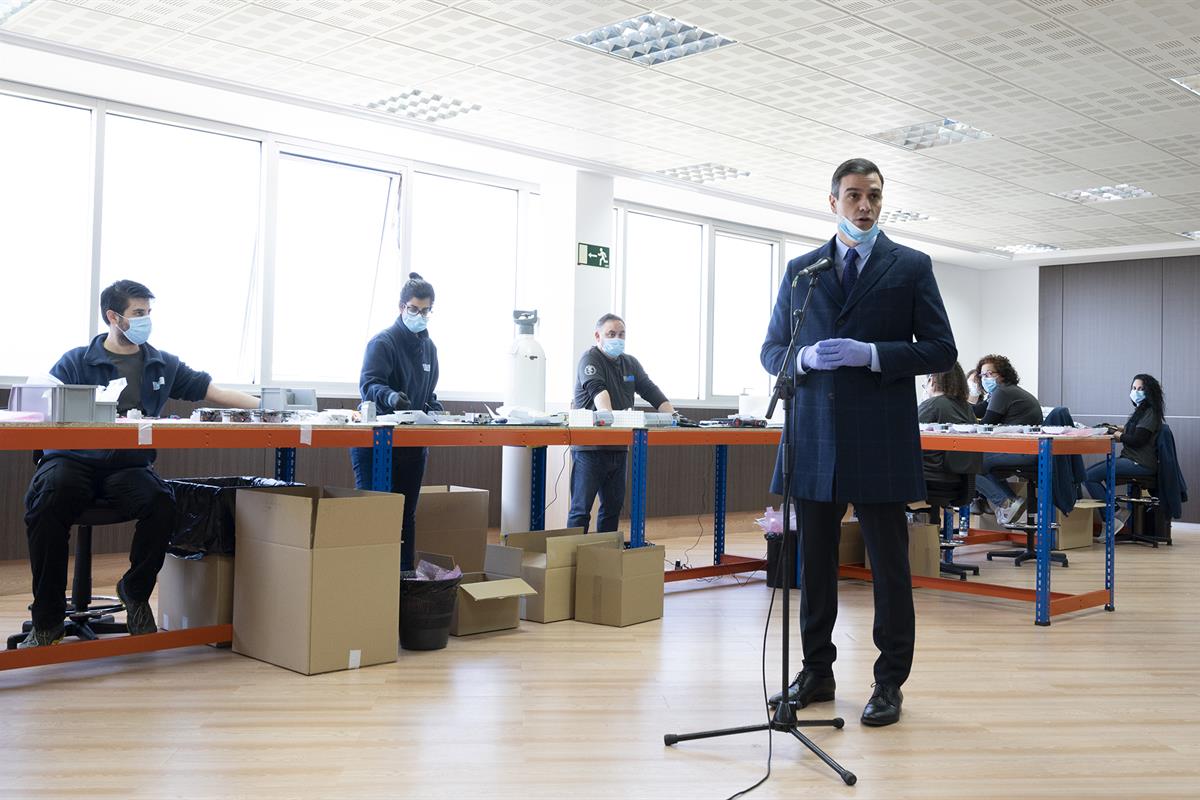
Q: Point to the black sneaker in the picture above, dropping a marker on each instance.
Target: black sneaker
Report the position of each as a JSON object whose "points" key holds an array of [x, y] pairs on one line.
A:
{"points": [[138, 616], [37, 638]]}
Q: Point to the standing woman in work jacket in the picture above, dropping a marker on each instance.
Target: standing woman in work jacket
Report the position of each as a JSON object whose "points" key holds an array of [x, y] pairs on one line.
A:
{"points": [[399, 373]]}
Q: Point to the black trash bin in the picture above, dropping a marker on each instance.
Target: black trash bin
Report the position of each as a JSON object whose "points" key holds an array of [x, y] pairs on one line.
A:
{"points": [[426, 608], [204, 514]]}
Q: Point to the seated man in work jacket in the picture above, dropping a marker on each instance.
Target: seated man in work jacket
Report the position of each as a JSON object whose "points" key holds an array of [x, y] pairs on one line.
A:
{"points": [[68, 482]]}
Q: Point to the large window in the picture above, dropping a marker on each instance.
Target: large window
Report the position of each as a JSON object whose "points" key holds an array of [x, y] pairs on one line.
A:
{"points": [[663, 265], [337, 267], [743, 278], [45, 232], [464, 242], [181, 215]]}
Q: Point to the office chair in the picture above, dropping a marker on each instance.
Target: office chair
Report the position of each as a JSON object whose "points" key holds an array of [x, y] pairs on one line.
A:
{"points": [[1141, 495], [945, 498], [84, 618], [1020, 555]]}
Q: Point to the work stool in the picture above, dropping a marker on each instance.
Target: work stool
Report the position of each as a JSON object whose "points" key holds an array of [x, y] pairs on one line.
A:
{"points": [[944, 500], [1020, 555], [87, 615], [1142, 498]]}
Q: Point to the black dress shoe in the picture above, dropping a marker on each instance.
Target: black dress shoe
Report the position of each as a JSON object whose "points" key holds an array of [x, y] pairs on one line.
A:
{"points": [[884, 706], [808, 687]]}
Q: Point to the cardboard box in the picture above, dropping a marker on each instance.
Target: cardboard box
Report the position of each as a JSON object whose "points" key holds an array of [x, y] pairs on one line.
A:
{"points": [[1075, 529], [548, 565], [453, 520], [195, 593], [924, 551], [488, 600], [851, 549], [618, 587], [317, 585]]}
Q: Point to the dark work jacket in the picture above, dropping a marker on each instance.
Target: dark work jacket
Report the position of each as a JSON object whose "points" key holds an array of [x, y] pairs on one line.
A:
{"points": [[164, 377], [398, 360], [856, 434], [1069, 471], [1172, 488]]}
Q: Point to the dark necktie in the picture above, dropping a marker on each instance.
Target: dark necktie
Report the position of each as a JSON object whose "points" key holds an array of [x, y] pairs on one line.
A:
{"points": [[850, 272]]}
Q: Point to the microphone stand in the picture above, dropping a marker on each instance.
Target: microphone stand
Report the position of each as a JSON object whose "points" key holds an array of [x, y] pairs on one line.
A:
{"points": [[784, 719]]}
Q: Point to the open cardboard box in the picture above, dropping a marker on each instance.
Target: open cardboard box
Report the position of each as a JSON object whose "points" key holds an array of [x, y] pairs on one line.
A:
{"points": [[618, 587], [488, 600], [548, 565]]}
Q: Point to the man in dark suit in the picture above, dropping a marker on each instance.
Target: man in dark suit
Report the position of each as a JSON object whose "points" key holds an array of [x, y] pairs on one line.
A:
{"points": [[875, 321]]}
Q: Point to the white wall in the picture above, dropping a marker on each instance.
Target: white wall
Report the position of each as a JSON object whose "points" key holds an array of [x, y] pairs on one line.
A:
{"points": [[961, 290], [1009, 315]]}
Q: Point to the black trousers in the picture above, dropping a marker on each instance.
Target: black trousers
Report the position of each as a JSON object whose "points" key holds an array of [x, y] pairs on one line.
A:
{"points": [[63, 488], [408, 470], [885, 533]]}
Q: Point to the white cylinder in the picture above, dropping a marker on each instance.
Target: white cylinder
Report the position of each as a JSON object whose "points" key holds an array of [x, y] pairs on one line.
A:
{"points": [[526, 389]]}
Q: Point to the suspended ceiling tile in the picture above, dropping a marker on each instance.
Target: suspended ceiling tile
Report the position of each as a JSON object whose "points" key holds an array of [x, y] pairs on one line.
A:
{"points": [[391, 62], [735, 68], [92, 30], [1183, 121], [558, 19], [322, 83], [274, 32], [565, 66], [1185, 145], [490, 88], [218, 59], [936, 23], [369, 17], [174, 14], [837, 103], [1070, 139], [466, 37], [750, 20], [839, 42]]}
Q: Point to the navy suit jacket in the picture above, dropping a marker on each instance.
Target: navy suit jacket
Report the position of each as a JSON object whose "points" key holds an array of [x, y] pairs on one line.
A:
{"points": [[855, 431]]}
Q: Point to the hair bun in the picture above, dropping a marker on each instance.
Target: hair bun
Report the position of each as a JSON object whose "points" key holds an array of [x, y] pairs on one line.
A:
{"points": [[412, 276]]}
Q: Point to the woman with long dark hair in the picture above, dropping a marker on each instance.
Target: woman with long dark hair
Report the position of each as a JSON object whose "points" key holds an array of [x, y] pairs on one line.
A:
{"points": [[1138, 437]]}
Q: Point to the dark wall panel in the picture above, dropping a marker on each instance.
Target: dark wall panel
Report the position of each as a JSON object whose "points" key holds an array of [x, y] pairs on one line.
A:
{"points": [[1050, 335], [1181, 335], [1111, 330]]}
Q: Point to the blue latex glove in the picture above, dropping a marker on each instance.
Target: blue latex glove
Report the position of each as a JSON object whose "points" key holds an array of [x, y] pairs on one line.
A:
{"points": [[808, 358], [834, 353]]}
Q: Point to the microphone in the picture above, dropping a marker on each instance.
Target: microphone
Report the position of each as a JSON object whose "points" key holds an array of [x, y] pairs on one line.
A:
{"points": [[818, 266]]}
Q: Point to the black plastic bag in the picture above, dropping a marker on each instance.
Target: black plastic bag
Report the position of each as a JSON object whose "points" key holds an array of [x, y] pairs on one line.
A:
{"points": [[204, 514], [426, 610]]}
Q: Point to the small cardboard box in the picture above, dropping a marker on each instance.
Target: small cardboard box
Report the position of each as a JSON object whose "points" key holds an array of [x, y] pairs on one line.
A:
{"points": [[195, 593], [317, 585], [618, 587], [850, 544], [488, 600], [548, 565], [453, 520], [924, 551], [1075, 529]]}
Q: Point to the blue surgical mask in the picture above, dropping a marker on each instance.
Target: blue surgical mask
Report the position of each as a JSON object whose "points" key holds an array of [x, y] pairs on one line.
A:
{"points": [[613, 347], [989, 385], [1137, 396], [414, 322], [851, 231], [139, 329]]}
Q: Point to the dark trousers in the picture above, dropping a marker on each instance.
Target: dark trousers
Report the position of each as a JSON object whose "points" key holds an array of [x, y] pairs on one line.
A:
{"points": [[408, 469], [62, 489], [997, 490], [1097, 475], [597, 472], [885, 533]]}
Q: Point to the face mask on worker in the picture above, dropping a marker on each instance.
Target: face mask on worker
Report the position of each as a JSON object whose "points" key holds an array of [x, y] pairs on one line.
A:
{"points": [[415, 322], [852, 231], [989, 385], [613, 347], [1137, 396], [139, 329]]}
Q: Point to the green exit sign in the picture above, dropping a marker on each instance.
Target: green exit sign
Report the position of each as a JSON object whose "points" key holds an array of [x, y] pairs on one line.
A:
{"points": [[593, 255]]}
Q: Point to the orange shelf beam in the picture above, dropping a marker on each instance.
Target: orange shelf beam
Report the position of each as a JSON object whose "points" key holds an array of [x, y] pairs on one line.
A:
{"points": [[114, 646]]}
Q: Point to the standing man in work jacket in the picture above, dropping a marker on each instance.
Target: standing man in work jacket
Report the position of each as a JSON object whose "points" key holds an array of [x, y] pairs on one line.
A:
{"points": [[875, 321], [606, 380], [68, 482], [400, 373]]}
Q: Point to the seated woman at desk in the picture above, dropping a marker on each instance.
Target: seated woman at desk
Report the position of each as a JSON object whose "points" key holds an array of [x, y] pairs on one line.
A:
{"points": [[1138, 436], [1007, 404], [946, 402]]}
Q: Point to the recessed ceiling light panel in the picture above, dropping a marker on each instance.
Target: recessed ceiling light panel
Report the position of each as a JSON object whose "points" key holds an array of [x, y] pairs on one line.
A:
{"points": [[1189, 82], [704, 173], [10, 8], [931, 134], [1022, 249], [1104, 194], [422, 106], [1191, 234], [651, 39]]}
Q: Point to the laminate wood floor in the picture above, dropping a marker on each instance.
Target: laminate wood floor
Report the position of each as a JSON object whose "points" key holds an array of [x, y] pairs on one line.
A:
{"points": [[1097, 705]]}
